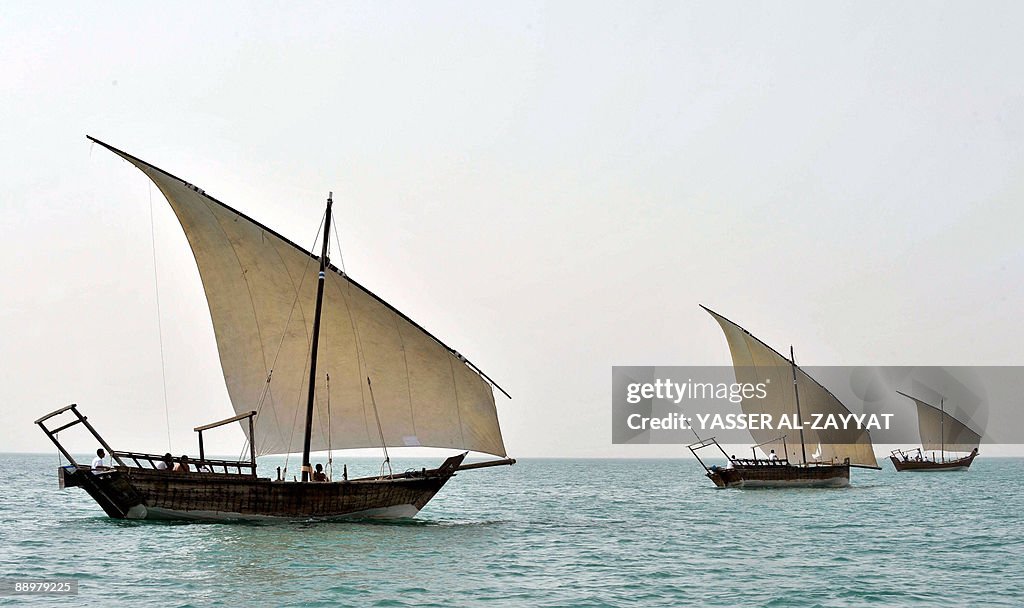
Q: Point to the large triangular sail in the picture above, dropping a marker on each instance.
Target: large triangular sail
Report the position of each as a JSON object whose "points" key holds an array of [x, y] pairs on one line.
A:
{"points": [[261, 290], [756, 362], [942, 432]]}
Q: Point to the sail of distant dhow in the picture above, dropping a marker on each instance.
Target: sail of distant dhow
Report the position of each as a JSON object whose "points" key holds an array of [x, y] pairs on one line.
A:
{"points": [[807, 457], [300, 341], [940, 432]]}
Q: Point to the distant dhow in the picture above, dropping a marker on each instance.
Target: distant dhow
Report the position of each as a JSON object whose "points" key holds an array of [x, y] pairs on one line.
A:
{"points": [[939, 431], [810, 457]]}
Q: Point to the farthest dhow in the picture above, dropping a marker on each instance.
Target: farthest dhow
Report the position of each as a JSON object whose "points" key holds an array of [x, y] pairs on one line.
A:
{"points": [[942, 432]]}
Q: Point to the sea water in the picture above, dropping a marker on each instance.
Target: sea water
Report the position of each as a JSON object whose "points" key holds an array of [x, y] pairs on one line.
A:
{"points": [[548, 533]]}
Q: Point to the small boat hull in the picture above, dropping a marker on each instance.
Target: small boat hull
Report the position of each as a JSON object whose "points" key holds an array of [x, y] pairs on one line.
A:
{"points": [[961, 464], [781, 475], [134, 493]]}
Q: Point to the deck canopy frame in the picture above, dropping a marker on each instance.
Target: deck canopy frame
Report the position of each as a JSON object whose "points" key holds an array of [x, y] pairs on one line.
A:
{"points": [[124, 459], [704, 443], [753, 448], [251, 415], [79, 419]]}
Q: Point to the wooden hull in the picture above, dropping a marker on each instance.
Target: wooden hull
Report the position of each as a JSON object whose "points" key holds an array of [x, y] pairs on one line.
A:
{"points": [[133, 493], [781, 476], [961, 464]]}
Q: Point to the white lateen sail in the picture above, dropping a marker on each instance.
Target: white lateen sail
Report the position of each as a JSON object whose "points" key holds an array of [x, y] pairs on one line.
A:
{"points": [[261, 290], [755, 362]]}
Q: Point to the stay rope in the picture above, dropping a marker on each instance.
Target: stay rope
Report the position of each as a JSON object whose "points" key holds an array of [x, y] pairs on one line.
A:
{"points": [[159, 322], [330, 431], [337, 239], [387, 459], [359, 353]]}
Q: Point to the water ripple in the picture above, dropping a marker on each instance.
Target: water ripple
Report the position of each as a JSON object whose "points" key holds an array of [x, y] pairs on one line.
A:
{"points": [[550, 533]]}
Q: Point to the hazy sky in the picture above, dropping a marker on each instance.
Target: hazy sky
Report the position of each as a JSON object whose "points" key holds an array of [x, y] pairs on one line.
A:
{"points": [[550, 188]]}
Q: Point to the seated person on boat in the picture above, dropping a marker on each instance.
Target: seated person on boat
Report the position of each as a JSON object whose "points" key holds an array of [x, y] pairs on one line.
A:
{"points": [[318, 474], [98, 463], [182, 466]]}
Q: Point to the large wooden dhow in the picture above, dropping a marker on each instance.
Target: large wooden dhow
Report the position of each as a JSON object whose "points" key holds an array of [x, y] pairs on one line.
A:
{"points": [[313, 361], [794, 395], [940, 432]]}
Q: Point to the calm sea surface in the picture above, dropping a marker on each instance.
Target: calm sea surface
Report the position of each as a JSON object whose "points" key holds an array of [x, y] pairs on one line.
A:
{"points": [[549, 533]]}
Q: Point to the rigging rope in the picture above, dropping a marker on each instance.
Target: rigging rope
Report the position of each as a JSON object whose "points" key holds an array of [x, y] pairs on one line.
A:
{"points": [[159, 323], [295, 418], [387, 459], [361, 360], [330, 431], [337, 239], [284, 333]]}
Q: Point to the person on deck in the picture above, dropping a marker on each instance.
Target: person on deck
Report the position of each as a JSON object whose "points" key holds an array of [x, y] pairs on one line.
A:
{"points": [[182, 466], [98, 464], [167, 463], [318, 474], [773, 456]]}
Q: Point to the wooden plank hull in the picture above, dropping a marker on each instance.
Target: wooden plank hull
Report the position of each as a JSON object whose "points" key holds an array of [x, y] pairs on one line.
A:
{"points": [[132, 493], [961, 464], [781, 476]]}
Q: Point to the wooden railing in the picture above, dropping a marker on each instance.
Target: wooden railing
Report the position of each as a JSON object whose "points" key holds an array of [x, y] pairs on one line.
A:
{"points": [[229, 467], [760, 462]]}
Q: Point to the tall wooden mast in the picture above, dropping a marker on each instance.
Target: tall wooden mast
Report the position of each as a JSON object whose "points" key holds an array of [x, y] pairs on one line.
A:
{"points": [[306, 468], [942, 429], [799, 419]]}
